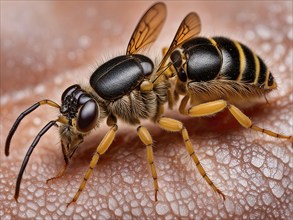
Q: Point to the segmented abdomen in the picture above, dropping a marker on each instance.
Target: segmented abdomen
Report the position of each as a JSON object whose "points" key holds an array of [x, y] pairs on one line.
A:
{"points": [[242, 64]]}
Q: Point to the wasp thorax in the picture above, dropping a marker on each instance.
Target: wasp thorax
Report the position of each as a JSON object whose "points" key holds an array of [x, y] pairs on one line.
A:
{"points": [[79, 106]]}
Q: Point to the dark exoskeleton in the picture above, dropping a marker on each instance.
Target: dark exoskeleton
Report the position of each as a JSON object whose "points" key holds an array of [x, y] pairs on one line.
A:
{"points": [[210, 73], [121, 88]]}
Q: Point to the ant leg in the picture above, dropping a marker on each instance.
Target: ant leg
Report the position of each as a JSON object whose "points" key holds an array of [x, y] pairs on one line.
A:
{"points": [[146, 86], [173, 125], [101, 149], [67, 156], [146, 138], [213, 107], [61, 172]]}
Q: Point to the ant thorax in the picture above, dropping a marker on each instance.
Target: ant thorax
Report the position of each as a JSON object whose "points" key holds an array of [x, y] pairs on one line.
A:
{"points": [[136, 105]]}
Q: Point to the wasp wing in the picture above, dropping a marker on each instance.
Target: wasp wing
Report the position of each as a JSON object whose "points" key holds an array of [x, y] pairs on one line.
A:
{"points": [[148, 28], [189, 27]]}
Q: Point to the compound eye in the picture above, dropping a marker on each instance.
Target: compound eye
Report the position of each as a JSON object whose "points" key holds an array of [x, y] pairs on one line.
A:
{"points": [[87, 116]]}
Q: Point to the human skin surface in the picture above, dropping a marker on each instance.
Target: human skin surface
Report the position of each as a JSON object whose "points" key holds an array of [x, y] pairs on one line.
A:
{"points": [[48, 46]]}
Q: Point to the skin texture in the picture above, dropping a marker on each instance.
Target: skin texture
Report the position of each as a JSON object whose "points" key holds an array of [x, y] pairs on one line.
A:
{"points": [[45, 47]]}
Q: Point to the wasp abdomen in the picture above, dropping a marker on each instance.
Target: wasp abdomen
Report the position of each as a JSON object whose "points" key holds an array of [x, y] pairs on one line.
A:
{"points": [[242, 64], [119, 76], [220, 57]]}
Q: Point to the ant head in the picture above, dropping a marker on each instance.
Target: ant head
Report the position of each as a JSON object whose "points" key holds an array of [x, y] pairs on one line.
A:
{"points": [[82, 114], [80, 109]]}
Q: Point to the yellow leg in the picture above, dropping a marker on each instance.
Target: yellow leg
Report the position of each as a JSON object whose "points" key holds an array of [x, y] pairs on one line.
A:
{"points": [[207, 109], [60, 173], [101, 149], [146, 86], [182, 107], [213, 107], [176, 126], [146, 138]]}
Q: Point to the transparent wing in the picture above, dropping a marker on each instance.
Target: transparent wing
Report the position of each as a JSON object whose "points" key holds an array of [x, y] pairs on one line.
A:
{"points": [[148, 28], [189, 27]]}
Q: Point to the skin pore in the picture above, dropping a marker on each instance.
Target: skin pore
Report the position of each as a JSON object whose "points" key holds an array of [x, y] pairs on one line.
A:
{"points": [[48, 46]]}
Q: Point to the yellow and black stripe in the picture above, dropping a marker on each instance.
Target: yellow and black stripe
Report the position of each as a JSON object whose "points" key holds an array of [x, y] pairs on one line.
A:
{"points": [[241, 64]]}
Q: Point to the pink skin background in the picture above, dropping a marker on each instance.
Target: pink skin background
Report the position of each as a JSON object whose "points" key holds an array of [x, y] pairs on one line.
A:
{"points": [[47, 46]]}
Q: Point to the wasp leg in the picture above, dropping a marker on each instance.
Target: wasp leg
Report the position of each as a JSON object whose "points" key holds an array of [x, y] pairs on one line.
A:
{"points": [[146, 138], [173, 125], [183, 103], [101, 149], [173, 97], [171, 100], [213, 107]]}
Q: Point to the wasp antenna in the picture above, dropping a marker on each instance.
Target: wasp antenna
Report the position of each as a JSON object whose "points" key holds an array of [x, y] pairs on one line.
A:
{"points": [[28, 154], [21, 116]]}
